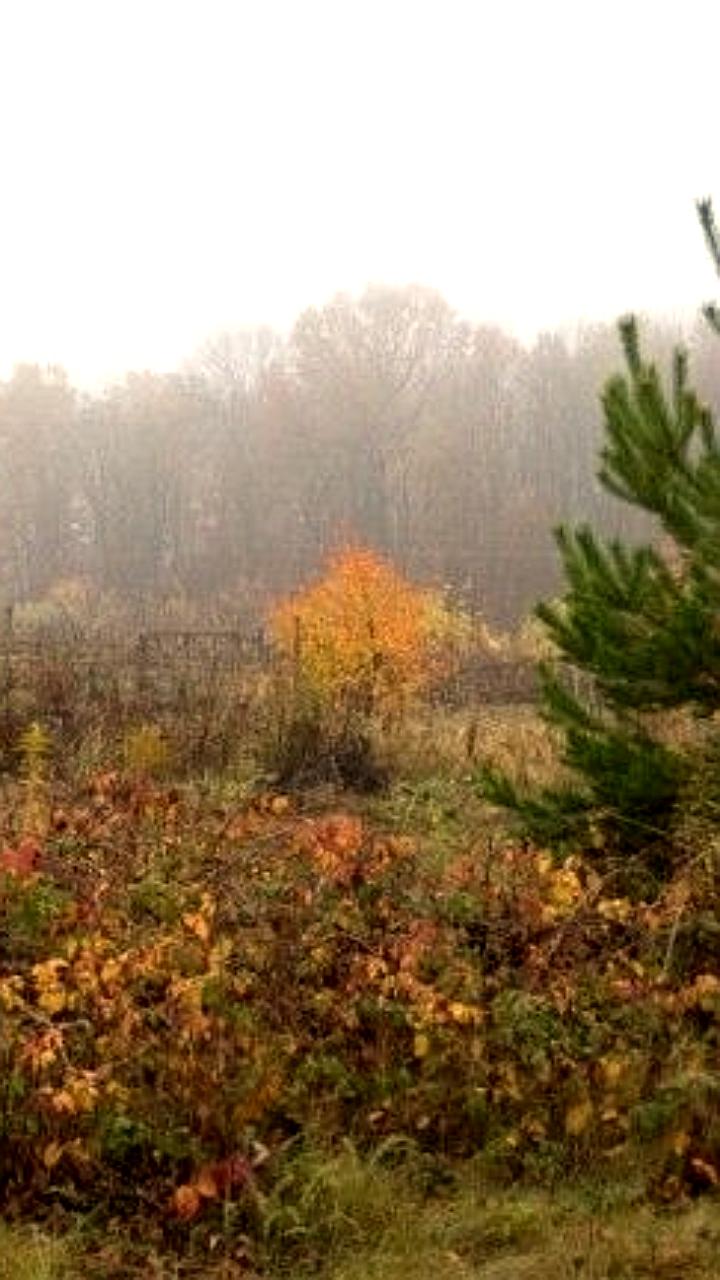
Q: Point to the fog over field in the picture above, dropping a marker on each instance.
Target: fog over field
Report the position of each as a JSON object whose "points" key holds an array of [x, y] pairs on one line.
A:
{"points": [[279, 275]]}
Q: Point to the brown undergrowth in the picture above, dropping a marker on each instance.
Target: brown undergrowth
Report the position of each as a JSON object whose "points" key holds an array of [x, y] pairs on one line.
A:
{"points": [[201, 989]]}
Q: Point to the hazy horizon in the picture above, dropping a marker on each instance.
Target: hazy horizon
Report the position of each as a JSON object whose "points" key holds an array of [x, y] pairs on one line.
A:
{"points": [[173, 170]]}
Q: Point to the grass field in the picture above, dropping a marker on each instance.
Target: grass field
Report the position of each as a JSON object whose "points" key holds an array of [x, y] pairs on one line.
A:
{"points": [[357, 1222]]}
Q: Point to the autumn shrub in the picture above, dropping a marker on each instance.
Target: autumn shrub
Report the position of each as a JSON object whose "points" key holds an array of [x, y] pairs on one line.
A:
{"points": [[358, 648], [360, 634], [187, 987]]}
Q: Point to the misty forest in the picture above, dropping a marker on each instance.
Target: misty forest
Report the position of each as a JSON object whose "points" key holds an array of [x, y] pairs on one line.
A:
{"points": [[384, 419]]}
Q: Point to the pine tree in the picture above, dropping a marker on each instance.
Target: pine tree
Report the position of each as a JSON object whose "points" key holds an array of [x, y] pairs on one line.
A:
{"points": [[642, 628]]}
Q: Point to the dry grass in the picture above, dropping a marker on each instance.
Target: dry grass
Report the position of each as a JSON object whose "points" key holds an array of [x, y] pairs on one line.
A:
{"points": [[513, 738], [29, 1255], [345, 1218], [535, 1236]]}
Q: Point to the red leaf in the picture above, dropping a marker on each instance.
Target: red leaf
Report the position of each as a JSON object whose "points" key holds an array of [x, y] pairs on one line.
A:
{"points": [[24, 860], [228, 1174]]}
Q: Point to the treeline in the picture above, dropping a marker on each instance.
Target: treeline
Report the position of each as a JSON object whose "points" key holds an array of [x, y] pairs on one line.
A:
{"points": [[385, 419]]}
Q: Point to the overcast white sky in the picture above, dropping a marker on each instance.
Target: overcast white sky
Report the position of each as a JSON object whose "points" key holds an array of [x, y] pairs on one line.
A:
{"points": [[171, 167]]}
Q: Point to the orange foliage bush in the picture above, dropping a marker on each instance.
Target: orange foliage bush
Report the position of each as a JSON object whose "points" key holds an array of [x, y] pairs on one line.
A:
{"points": [[362, 635]]}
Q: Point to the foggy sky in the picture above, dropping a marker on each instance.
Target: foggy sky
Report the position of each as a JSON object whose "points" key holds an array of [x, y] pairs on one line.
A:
{"points": [[174, 167]]}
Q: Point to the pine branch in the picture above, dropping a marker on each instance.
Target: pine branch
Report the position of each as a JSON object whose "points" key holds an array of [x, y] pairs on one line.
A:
{"points": [[706, 214]]}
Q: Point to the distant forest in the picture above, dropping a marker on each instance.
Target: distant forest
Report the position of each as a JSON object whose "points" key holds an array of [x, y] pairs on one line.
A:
{"points": [[385, 420]]}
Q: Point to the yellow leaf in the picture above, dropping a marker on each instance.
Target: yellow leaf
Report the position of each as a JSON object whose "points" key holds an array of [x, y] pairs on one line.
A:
{"points": [[110, 972], [577, 1118], [52, 1154], [463, 1013], [47, 972], [565, 889], [421, 1046], [612, 1070], [619, 909], [10, 993], [63, 1102], [84, 1093], [52, 1001]]}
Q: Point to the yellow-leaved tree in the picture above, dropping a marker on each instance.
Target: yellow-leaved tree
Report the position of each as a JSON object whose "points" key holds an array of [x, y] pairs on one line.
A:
{"points": [[360, 642], [362, 635]]}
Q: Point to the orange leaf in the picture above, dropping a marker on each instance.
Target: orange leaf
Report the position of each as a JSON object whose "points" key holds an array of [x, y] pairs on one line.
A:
{"points": [[197, 924], [206, 1185], [185, 1202]]}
